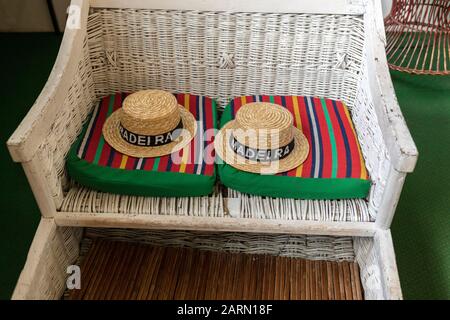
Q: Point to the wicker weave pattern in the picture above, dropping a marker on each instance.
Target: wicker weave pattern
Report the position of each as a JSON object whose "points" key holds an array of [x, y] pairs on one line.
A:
{"points": [[77, 105], [371, 141], [223, 55], [81, 199], [368, 260], [61, 250], [290, 209], [306, 247], [286, 58]]}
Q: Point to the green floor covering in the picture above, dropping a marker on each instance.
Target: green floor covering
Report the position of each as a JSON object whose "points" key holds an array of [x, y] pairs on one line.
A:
{"points": [[421, 228]]}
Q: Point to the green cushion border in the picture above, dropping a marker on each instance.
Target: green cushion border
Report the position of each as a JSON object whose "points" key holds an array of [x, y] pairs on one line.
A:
{"points": [[137, 182], [288, 187]]}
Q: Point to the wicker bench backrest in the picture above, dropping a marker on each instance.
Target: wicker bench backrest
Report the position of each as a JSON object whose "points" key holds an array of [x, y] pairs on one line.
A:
{"points": [[223, 55]]}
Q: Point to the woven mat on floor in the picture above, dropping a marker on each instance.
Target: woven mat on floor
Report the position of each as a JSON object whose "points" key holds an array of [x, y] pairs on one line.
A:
{"points": [[125, 270]]}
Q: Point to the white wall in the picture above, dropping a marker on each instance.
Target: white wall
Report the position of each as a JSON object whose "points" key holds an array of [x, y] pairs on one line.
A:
{"points": [[30, 15]]}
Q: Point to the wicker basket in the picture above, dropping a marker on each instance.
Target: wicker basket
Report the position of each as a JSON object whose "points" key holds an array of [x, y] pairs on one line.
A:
{"points": [[220, 49]]}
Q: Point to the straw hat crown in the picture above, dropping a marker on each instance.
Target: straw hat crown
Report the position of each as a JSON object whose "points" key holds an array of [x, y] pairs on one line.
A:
{"points": [[262, 139], [150, 123], [264, 125], [150, 112]]}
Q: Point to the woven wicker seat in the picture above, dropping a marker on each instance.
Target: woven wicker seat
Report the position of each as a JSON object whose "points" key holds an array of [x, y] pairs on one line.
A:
{"points": [[220, 50]]}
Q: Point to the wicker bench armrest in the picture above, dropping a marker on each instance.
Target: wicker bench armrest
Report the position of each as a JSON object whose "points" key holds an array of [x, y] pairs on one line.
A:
{"points": [[33, 129], [400, 145]]}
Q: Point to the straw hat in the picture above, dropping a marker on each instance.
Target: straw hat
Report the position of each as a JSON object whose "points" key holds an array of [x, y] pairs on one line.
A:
{"points": [[262, 139], [150, 124]]}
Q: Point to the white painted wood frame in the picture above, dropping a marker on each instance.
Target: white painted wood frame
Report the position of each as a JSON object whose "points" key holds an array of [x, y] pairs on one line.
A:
{"points": [[263, 6], [163, 222], [39, 188]]}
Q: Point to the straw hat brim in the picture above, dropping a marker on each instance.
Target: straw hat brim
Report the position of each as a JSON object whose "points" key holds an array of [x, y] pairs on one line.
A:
{"points": [[297, 156], [112, 136]]}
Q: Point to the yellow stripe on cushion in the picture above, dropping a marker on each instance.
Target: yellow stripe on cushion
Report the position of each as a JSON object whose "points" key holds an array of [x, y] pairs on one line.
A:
{"points": [[299, 171], [243, 100], [184, 158], [186, 101], [361, 158], [298, 121], [124, 162]]}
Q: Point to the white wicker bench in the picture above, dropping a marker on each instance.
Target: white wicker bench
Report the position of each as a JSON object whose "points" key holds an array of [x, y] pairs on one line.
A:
{"points": [[220, 49]]}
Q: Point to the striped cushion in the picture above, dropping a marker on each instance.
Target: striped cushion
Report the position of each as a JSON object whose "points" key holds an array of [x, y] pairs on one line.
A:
{"points": [[335, 166], [92, 156]]}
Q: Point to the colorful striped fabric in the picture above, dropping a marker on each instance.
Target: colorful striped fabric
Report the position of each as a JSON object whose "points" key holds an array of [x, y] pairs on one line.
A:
{"points": [[326, 123], [196, 158]]}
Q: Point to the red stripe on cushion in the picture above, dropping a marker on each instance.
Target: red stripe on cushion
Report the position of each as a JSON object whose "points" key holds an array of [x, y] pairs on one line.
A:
{"points": [[176, 157], [237, 105], [131, 163], [176, 160], [118, 101], [356, 162], [97, 130], [106, 151], [163, 161], [326, 158], [149, 164], [340, 145], [117, 159], [306, 172], [190, 166], [208, 157], [265, 99], [277, 100], [290, 106], [105, 155]]}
